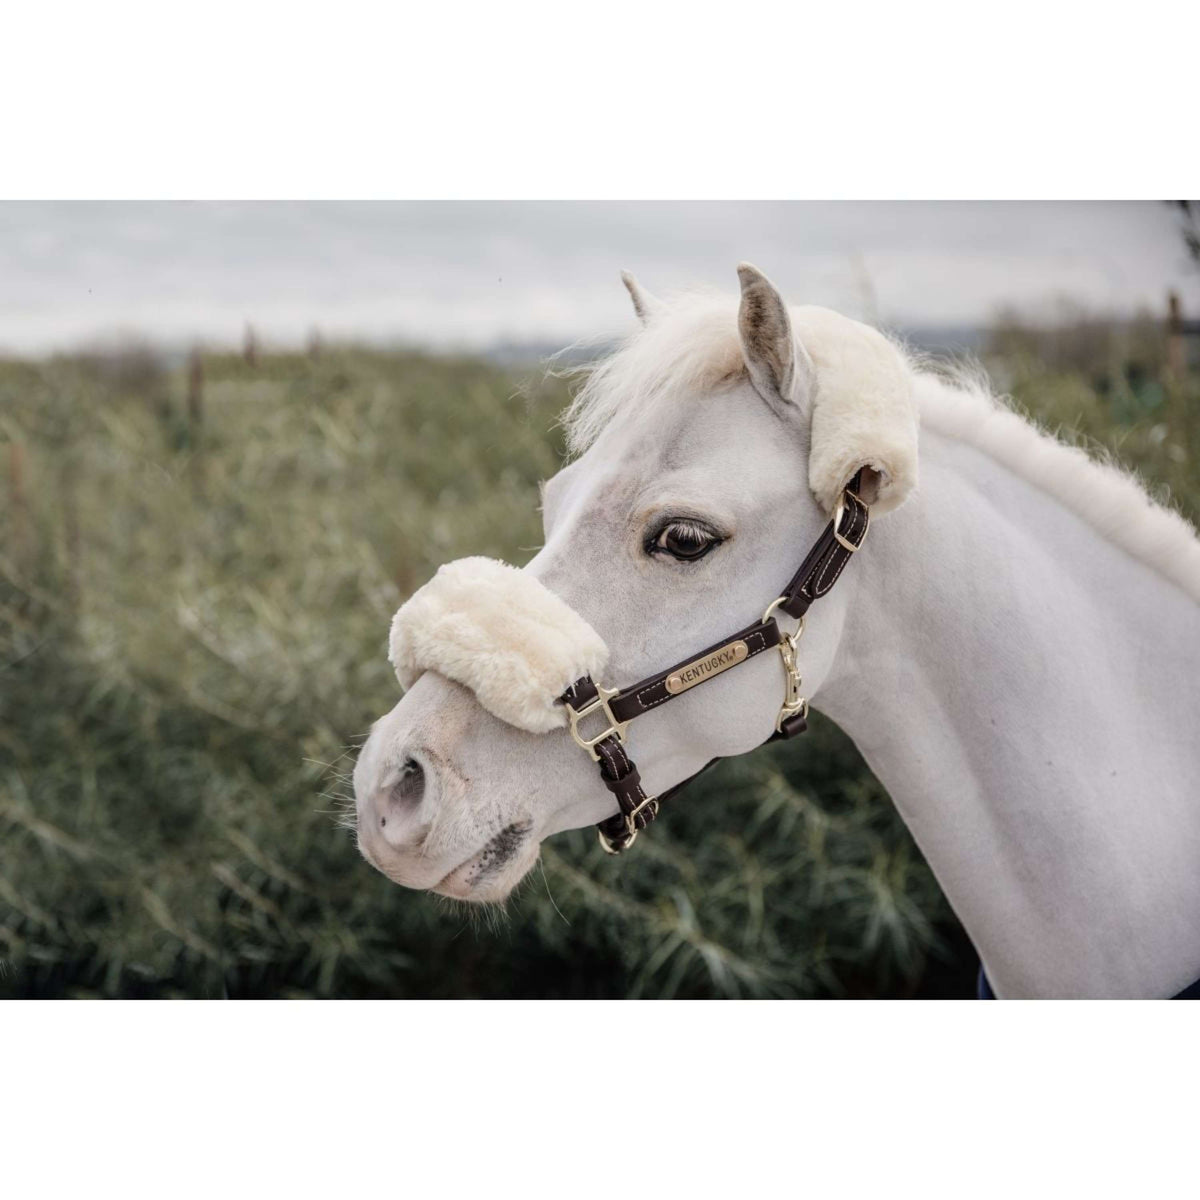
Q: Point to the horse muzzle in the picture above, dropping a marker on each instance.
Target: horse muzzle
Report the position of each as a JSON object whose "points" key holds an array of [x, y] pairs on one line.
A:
{"points": [[435, 812]]}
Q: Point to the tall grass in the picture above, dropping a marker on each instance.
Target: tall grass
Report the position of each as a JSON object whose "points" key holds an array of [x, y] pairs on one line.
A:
{"points": [[194, 598]]}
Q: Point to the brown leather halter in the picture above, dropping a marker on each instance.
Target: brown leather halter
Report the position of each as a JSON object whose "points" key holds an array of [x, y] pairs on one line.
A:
{"points": [[584, 698]]}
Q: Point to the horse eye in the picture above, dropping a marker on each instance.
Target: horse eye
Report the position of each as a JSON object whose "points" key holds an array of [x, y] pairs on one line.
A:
{"points": [[685, 541]]}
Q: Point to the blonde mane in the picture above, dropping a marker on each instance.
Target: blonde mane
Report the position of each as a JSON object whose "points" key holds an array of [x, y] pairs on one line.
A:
{"points": [[692, 345]]}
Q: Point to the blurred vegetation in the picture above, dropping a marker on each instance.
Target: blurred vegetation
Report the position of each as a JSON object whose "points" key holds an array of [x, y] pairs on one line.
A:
{"points": [[197, 570], [1110, 386]]}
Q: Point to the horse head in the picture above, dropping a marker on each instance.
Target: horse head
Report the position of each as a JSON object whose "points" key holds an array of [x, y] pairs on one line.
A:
{"points": [[709, 451]]}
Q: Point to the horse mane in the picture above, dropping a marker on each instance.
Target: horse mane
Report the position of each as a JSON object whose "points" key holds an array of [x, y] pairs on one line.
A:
{"points": [[692, 345], [1088, 480]]}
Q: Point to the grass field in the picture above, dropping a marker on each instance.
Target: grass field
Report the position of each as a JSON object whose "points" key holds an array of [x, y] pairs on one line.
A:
{"points": [[194, 601]]}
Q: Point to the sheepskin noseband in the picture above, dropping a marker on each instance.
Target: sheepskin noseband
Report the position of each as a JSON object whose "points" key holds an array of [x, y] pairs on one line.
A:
{"points": [[500, 632]]}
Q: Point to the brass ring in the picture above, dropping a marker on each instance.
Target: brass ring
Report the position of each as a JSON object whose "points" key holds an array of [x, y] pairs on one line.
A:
{"points": [[611, 847], [795, 637], [772, 607]]}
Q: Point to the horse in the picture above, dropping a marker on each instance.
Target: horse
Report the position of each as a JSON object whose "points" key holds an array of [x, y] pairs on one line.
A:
{"points": [[1014, 649]]}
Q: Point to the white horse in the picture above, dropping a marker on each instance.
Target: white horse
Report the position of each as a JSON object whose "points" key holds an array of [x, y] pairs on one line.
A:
{"points": [[1015, 650]]}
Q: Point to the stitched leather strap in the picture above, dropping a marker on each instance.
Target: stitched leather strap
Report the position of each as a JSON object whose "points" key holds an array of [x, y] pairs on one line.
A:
{"points": [[621, 778], [652, 692], [827, 559]]}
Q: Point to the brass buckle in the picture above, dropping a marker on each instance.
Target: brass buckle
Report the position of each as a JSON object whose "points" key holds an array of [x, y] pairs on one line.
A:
{"points": [[845, 543], [630, 827], [599, 704]]}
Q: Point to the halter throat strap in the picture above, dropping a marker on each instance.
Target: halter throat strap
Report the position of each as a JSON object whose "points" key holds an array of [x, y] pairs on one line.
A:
{"points": [[587, 701]]}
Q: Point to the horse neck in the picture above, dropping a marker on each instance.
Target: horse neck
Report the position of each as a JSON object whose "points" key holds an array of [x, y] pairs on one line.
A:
{"points": [[1026, 692]]}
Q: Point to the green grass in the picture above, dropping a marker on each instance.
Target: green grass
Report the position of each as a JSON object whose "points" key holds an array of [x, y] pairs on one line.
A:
{"points": [[193, 618]]}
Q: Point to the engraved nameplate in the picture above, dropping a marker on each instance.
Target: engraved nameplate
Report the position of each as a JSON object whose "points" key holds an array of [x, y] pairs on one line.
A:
{"points": [[706, 667]]}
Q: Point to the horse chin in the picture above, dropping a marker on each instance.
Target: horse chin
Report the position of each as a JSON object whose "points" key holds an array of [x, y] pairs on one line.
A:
{"points": [[489, 877]]}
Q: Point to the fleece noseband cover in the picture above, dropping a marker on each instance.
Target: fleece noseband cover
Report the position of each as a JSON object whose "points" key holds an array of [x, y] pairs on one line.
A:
{"points": [[500, 632]]}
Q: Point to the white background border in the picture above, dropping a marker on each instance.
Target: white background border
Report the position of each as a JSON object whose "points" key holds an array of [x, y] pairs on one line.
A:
{"points": [[237, 99], [625, 100], [741, 1099]]}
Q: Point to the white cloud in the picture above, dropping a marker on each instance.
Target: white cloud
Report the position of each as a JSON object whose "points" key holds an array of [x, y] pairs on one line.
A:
{"points": [[474, 273]]}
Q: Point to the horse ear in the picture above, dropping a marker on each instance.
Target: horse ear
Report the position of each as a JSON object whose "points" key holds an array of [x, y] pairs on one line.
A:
{"points": [[864, 416], [779, 368], [644, 304]]}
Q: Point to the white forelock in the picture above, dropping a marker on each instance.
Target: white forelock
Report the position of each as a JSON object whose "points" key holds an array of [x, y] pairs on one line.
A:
{"points": [[691, 345], [500, 632]]}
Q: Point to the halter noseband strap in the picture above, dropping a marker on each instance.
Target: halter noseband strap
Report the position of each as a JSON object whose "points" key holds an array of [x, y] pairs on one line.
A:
{"points": [[585, 699]]}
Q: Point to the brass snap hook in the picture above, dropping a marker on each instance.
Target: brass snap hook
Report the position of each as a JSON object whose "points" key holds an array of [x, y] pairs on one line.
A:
{"points": [[793, 701]]}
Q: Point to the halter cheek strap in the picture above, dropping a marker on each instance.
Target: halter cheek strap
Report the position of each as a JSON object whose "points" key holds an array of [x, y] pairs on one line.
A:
{"points": [[608, 711]]}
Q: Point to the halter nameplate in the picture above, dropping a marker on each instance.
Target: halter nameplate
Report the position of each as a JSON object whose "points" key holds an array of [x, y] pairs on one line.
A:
{"points": [[706, 667]]}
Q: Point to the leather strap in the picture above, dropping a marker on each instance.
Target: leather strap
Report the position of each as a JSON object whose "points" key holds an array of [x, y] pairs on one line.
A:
{"points": [[621, 777], [827, 559], [617, 772], [817, 574], [650, 693]]}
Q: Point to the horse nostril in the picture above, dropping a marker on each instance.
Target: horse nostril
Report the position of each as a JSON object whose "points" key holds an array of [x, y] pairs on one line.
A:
{"points": [[410, 787]]}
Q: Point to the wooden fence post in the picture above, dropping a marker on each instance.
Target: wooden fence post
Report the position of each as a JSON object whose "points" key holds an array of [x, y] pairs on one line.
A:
{"points": [[250, 346], [1176, 347], [195, 398], [68, 480], [18, 505]]}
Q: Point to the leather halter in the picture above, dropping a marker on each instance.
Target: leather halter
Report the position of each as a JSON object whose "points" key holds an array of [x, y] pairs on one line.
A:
{"points": [[818, 573]]}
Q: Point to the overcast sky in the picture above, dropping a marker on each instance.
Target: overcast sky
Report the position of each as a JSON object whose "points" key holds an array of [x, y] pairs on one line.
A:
{"points": [[475, 273]]}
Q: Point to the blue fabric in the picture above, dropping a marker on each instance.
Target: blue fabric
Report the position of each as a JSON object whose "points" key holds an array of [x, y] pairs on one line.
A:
{"points": [[983, 989], [1191, 992]]}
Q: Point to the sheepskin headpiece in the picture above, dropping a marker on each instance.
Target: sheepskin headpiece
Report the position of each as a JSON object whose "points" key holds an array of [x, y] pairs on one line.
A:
{"points": [[865, 413], [857, 383], [500, 632]]}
